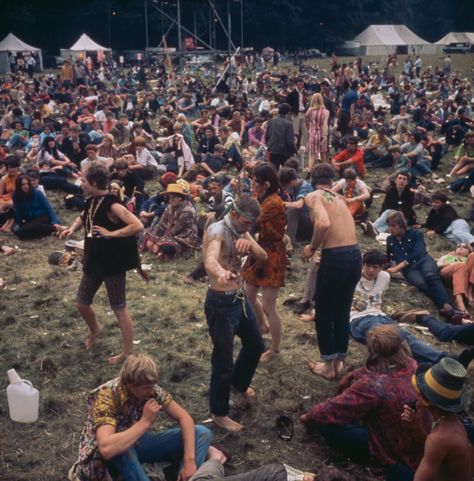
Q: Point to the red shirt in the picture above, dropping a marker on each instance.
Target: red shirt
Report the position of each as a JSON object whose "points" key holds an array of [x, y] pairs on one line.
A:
{"points": [[357, 159]]}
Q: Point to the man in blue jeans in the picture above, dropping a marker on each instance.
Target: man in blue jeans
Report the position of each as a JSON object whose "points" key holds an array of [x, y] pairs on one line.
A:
{"points": [[116, 440], [227, 311], [367, 313]]}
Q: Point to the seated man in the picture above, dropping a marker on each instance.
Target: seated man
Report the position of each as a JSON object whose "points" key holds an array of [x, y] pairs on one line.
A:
{"points": [[376, 149], [213, 163], [299, 225], [354, 190], [367, 313], [444, 220], [116, 439], [134, 185], [351, 156], [448, 449], [207, 142]]}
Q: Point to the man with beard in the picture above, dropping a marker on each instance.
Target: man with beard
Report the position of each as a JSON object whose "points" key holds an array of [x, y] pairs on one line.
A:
{"points": [[227, 311]]}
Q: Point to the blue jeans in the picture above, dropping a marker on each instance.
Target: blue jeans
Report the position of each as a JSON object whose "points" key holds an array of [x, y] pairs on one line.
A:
{"points": [[229, 314], [353, 442], [445, 332], [424, 275], [338, 274], [154, 448], [459, 231], [381, 223], [421, 351]]}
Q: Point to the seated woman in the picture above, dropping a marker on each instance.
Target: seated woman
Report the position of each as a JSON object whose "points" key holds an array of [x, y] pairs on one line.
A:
{"points": [[364, 420], [406, 250], [177, 231], [457, 267], [464, 156], [34, 216]]}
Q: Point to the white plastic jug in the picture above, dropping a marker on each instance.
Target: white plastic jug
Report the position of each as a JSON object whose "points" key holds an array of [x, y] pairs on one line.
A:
{"points": [[23, 399]]}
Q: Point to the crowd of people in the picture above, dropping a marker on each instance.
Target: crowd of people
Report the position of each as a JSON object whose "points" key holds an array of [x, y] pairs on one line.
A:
{"points": [[255, 169]]}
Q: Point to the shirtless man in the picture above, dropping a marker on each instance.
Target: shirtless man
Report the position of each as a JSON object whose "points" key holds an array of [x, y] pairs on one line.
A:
{"points": [[227, 311], [339, 270], [448, 452]]}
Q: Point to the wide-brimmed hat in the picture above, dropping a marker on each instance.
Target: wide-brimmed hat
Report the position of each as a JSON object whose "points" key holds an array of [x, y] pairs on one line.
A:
{"points": [[443, 384], [177, 189]]}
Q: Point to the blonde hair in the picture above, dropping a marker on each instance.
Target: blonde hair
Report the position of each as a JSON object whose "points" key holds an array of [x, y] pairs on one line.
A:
{"points": [[138, 370], [387, 350], [317, 101]]}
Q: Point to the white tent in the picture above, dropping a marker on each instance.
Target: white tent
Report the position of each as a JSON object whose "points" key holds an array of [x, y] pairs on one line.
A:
{"points": [[11, 43], [86, 44], [456, 37], [385, 39]]}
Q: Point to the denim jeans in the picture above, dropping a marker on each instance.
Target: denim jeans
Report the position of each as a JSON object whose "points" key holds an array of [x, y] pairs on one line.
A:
{"points": [[229, 314], [381, 223], [353, 442], [154, 448], [421, 351], [338, 274], [459, 231], [445, 332], [213, 470], [424, 275]]}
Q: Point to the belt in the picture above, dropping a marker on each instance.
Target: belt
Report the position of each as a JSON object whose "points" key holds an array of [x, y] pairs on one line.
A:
{"points": [[238, 294]]}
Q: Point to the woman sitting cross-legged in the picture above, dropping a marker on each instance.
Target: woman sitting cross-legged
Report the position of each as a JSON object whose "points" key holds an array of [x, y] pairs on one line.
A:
{"points": [[364, 420], [34, 216], [176, 232]]}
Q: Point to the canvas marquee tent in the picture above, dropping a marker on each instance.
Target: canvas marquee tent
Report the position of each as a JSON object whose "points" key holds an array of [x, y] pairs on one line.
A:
{"points": [[11, 43], [456, 37], [385, 39], [83, 47]]}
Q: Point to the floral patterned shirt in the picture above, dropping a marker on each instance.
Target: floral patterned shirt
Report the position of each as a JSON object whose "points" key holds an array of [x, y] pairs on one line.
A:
{"points": [[111, 404]]}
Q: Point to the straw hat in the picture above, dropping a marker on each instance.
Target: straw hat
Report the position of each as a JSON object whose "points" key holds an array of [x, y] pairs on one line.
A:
{"points": [[443, 384], [177, 189]]}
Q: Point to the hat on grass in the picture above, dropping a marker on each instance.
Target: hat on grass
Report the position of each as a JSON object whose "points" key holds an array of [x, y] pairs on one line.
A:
{"points": [[443, 384]]}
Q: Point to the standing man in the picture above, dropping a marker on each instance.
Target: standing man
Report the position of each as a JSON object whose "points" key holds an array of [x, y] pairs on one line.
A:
{"points": [[347, 108], [227, 311], [338, 274], [280, 137], [110, 250], [116, 437], [298, 103]]}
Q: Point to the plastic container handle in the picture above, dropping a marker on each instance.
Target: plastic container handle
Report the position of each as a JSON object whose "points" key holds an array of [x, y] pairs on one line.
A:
{"points": [[27, 382]]}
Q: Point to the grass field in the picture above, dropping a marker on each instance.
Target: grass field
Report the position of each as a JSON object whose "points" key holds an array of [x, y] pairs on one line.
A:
{"points": [[41, 336]]}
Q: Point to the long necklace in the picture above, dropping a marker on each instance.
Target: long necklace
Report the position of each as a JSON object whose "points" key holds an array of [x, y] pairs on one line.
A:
{"points": [[91, 215], [365, 288]]}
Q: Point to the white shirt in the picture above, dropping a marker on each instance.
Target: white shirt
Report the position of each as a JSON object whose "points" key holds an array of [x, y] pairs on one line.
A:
{"points": [[367, 299]]}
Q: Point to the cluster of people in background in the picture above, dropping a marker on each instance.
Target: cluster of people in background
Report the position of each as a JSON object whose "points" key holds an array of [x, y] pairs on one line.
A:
{"points": [[248, 170]]}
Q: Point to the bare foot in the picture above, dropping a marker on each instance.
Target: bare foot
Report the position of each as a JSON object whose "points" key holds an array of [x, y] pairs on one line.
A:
{"points": [[323, 369], [214, 453], [89, 342], [188, 280], [270, 353], [119, 358], [339, 367], [306, 317], [226, 423], [467, 321], [8, 251]]}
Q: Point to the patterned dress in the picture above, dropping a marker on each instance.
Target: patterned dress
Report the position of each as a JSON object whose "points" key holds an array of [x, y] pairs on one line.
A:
{"points": [[108, 404], [317, 123], [271, 229]]}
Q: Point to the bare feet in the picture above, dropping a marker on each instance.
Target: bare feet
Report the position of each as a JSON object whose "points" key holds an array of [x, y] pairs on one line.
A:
{"points": [[324, 369], [8, 251], [89, 342], [226, 423], [214, 453], [306, 317], [119, 358], [270, 353]]}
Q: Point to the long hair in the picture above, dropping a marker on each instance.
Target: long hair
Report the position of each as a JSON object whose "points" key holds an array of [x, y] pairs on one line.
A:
{"points": [[387, 350], [267, 173], [51, 150], [317, 101], [19, 194]]}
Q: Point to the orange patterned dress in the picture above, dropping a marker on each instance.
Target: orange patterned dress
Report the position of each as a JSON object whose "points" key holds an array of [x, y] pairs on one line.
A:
{"points": [[271, 228]]}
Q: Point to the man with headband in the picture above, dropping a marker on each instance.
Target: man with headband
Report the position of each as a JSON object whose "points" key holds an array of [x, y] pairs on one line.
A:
{"points": [[339, 270], [227, 312]]}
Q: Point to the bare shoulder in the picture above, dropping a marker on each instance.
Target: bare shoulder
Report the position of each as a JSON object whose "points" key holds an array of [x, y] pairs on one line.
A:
{"points": [[215, 231]]}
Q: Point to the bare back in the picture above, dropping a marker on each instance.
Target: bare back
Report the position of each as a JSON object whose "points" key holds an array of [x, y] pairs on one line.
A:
{"points": [[329, 209]]}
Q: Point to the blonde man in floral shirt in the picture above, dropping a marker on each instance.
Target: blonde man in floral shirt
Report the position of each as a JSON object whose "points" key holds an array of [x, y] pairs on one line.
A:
{"points": [[116, 439]]}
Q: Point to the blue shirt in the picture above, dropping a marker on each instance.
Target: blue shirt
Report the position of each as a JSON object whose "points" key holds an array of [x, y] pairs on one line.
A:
{"points": [[301, 192], [31, 208], [410, 248], [350, 97]]}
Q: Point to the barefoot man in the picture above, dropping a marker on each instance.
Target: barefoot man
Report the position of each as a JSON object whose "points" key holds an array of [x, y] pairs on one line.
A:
{"points": [[227, 311], [110, 250], [339, 270]]}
